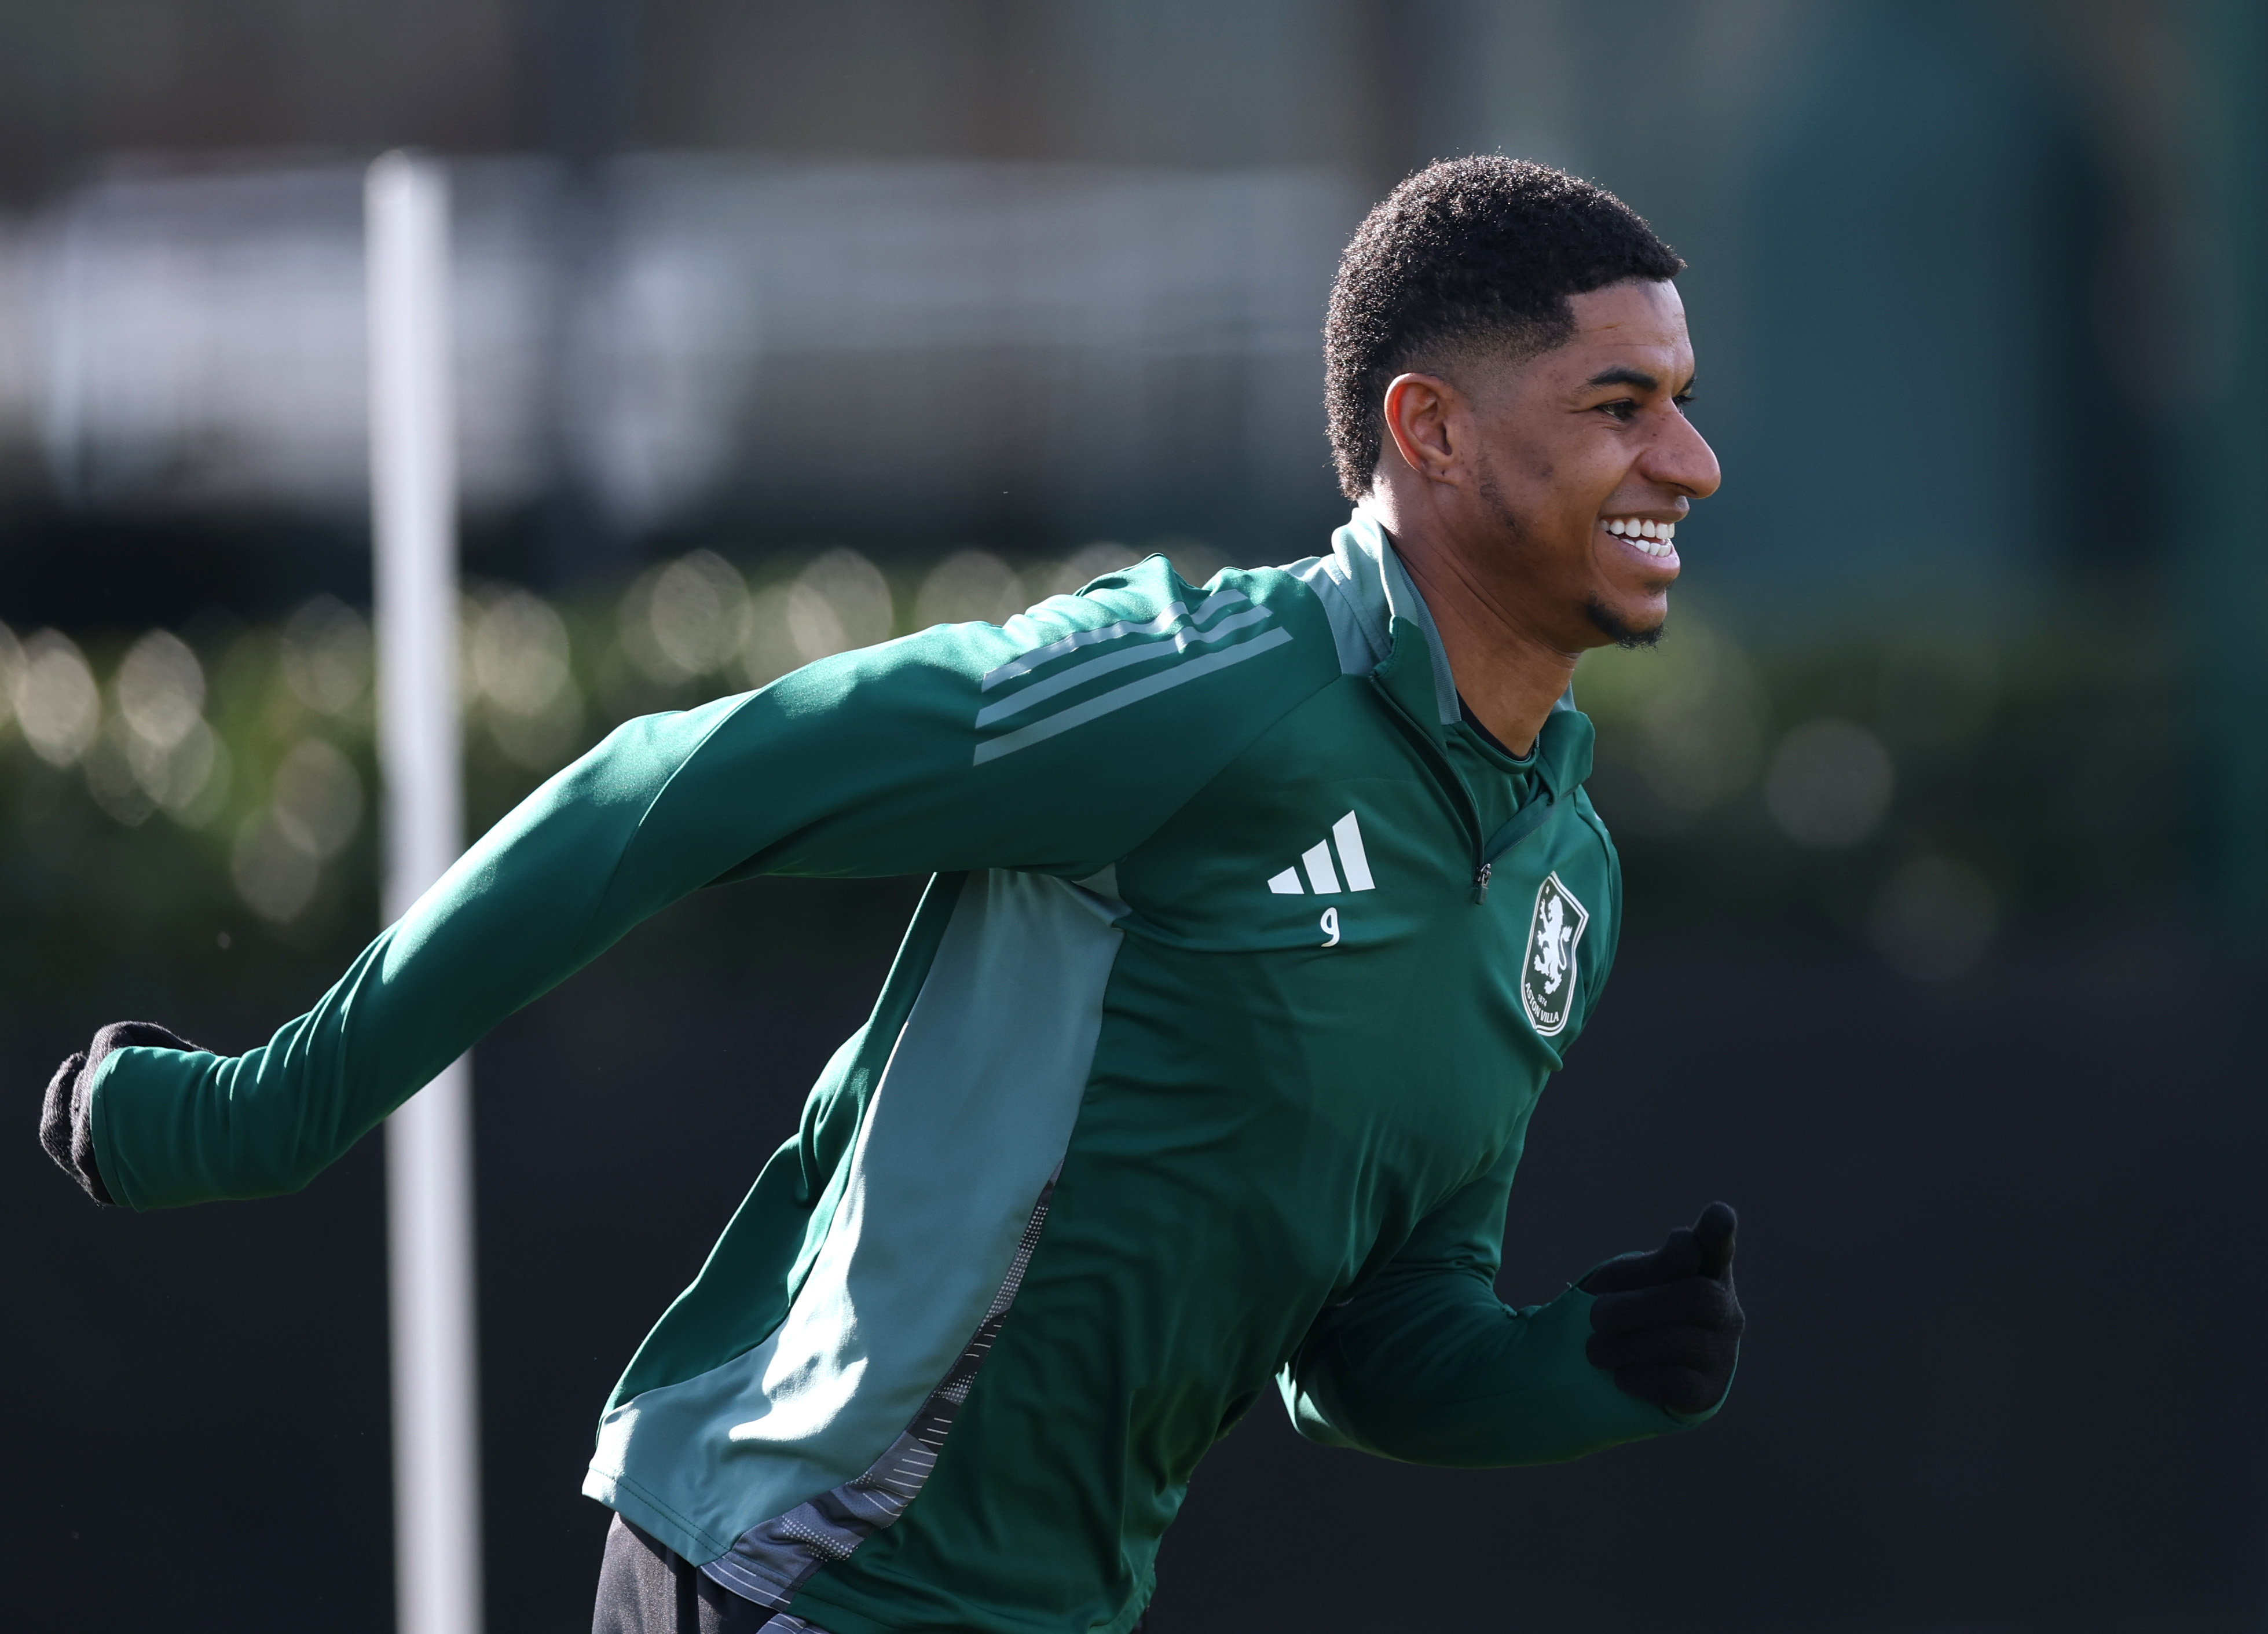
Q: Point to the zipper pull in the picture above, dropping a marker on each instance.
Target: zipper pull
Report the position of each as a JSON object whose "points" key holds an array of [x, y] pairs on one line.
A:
{"points": [[1480, 884]]}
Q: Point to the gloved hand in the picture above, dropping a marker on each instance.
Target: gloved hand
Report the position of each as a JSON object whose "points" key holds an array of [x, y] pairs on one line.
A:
{"points": [[1666, 1324], [66, 1123]]}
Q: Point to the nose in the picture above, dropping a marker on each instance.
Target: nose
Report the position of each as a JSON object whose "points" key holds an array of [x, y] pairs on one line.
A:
{"points": [[1681, 458]]}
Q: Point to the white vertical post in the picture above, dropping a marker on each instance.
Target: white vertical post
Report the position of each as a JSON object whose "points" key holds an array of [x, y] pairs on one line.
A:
{"points": [[429, 1157]]}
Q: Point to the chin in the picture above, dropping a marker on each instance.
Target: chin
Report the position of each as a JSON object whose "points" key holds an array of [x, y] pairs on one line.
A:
{"points": [[1629, 626]]}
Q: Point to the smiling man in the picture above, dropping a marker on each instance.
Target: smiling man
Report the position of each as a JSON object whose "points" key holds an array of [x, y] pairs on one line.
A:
{"points": [[1261, 914]]}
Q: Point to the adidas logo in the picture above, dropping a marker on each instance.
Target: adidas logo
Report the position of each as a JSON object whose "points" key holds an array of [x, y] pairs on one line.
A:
{"points": [[1322, 878]]}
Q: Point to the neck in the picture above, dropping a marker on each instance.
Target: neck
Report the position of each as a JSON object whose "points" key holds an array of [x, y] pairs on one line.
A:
{"points": [[1509, 676]]}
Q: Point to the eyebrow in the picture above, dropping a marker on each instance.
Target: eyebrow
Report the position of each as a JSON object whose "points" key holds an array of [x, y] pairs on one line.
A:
{"points": [[1620, 375]]}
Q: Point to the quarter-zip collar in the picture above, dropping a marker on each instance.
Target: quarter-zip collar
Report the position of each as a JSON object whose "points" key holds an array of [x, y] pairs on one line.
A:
{"points": [[1366, 592], [1363, 588], [1385, 630]]}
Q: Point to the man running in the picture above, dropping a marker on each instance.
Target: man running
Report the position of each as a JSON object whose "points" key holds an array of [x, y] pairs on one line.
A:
{"points": [[1260, 913]]}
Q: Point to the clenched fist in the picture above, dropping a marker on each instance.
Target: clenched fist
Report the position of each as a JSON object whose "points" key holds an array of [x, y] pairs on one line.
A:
{"points": [[1668, 1324], [66, 1121]]}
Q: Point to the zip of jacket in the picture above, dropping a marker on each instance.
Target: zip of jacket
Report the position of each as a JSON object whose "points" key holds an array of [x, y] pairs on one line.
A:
{"points": [[1525, 821]]}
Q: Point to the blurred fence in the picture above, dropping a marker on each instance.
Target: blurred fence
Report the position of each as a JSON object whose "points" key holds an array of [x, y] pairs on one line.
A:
{"points": [[682, 331]]}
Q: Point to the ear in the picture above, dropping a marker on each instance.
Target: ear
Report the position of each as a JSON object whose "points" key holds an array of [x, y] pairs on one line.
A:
{"points": [[1419, 408]]}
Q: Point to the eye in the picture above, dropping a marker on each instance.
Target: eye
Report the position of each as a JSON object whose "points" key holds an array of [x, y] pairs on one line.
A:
{"points": [[1622, 408], [1684, 400]]}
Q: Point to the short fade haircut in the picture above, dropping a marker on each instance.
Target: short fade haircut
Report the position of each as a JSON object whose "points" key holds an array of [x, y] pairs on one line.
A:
{"points": [[1468, 255]]}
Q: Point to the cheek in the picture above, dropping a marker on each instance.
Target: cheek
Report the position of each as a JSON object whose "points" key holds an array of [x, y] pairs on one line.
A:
{"points": [[1577, 482]]}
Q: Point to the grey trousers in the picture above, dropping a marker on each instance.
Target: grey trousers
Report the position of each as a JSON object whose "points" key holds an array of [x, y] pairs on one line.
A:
{"points": [[644, 1588]]}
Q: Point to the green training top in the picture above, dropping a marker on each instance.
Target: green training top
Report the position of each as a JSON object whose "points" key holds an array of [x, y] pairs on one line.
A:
{"points": [[1208, 1060]]}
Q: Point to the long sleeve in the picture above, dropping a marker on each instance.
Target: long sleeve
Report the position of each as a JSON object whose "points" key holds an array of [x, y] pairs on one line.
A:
{"points": [[1425, 1364], [1053, 744]]}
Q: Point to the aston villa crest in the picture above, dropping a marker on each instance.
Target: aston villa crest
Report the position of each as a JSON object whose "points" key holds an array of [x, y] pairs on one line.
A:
{"points": [[1547, 975]]}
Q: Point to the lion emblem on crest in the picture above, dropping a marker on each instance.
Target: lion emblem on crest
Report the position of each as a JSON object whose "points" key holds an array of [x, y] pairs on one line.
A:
{"points": [[1547, 977]]}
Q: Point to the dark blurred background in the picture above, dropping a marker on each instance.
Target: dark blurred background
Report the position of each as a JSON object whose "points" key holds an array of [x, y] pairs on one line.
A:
{"points": [[780, 329]]}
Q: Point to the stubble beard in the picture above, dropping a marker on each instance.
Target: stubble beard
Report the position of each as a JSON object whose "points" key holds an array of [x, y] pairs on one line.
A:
{"points": [[1604, 618], [1620, 633]]}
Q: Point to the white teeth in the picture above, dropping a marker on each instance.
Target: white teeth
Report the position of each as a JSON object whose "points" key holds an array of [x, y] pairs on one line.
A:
{"points": [[1652, 537]]}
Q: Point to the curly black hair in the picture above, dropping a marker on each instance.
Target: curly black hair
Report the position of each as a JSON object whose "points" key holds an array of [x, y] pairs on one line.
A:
{"points": [[1478, 252]]}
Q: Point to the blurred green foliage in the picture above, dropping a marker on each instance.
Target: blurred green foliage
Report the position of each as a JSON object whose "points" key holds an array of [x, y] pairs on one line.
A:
{"points": [[1913, 781], [1920, 779]]}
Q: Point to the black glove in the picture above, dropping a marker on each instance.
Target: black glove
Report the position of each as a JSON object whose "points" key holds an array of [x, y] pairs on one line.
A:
{"points": [[1666, 1324], [66, 1123]]}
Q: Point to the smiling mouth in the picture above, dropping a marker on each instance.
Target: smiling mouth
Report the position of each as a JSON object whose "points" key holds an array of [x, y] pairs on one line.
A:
{"points": [[1653, 538]]}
